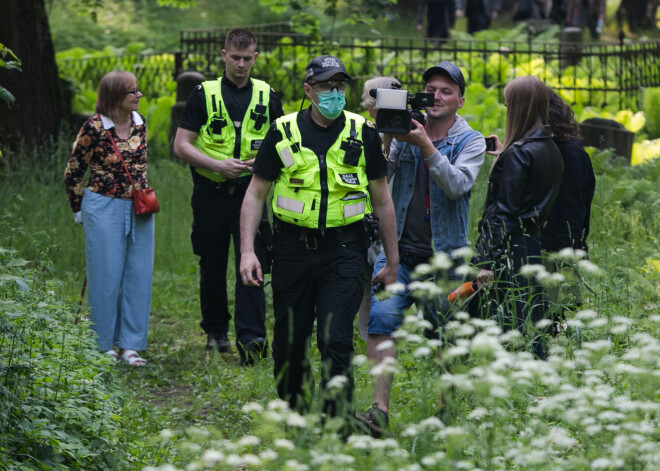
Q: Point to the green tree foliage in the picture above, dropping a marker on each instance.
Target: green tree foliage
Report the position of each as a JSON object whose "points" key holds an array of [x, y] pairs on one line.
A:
{"points": [[307, 14], [5, 95]]}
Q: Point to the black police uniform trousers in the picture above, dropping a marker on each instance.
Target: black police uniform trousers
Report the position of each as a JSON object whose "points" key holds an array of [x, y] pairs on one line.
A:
{"points": [[216, 213], [316, 279]]}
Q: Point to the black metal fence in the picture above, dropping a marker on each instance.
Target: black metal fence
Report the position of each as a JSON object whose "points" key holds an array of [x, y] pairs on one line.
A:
{"points": [[588, 73]]}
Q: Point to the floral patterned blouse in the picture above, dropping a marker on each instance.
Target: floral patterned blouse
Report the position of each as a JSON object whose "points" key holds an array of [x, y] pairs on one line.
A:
{"points": [[107, 176]]}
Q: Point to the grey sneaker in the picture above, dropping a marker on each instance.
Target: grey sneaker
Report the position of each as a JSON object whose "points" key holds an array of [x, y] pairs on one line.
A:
{"points": [[374, 421]]}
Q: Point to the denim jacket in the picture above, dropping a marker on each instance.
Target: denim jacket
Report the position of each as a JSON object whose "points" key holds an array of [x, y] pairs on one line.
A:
{"points": [[449, 215]]}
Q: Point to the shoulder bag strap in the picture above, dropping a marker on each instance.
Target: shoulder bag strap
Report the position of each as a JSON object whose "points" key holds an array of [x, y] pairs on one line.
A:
{"points": [[114, 146]]}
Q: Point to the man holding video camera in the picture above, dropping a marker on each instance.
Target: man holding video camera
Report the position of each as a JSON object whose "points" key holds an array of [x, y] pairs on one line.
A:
{"points": [[329, 174], [433, 168]]}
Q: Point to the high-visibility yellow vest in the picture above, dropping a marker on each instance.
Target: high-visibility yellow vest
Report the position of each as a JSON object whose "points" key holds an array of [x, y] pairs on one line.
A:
{"points": [[326, 190], [217, 137]]}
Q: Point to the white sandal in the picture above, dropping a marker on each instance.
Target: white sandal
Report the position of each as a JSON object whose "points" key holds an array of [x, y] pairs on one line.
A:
{"points": [[132, 358], [112, 354]]}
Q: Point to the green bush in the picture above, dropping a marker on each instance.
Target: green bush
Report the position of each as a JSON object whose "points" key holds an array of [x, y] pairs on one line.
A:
{"points": [[651, 106]]}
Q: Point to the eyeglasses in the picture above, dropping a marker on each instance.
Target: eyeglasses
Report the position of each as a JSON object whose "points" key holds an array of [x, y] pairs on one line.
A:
{"points": [[135, 92], [328, 85]]}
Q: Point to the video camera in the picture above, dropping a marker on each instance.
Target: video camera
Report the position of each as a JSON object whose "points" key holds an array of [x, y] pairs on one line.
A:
{"points": [[396, 108]]}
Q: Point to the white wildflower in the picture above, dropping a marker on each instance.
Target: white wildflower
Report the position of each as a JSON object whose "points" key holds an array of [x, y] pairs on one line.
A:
{"points": [[485, 344], [619, 329], [296, 420], [211, 457], [606, 463], [410, 320], [598, 322], [249, 440], [451, 431], [464, 271], [337, 382], [387, 366], [250, 460], [535, 269], [597, 345], [574, 323], [499, 392], [586, 315], [571, 255], [441, 261], [622, 320], [478, 413], [166, 434], [295, 465], [434, 343], [359, 360], [543, 323], [432, 460], [461, 316], [252, 407], [386, 345], [454, 352], [268, 455], [422, 352], [414, 338], [423, 269], [463, 252], [589, 267], [396, 288], [278, 405], [284, 443]]}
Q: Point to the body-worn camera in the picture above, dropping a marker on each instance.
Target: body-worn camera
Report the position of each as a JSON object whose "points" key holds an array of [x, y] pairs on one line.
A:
{"points": [[396, 108]]}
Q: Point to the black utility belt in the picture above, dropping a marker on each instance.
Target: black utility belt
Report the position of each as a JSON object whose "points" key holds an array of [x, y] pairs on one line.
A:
{"points": [[312, 239], [232, 185], [411, 260]]}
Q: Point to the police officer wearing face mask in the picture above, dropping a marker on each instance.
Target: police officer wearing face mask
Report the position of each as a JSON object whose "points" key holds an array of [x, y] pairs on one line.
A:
{"points": [[329, 172]]}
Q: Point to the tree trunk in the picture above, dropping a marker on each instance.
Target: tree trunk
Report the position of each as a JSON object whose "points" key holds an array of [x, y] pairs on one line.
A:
{"points": [[635, 13], [40, 106]]}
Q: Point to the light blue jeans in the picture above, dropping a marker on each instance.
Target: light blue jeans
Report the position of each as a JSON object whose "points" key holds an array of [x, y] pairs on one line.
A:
{"points": [[119, 247]]}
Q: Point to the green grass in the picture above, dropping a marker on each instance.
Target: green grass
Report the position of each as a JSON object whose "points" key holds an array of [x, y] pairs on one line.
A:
{"points": [[185, 389]]}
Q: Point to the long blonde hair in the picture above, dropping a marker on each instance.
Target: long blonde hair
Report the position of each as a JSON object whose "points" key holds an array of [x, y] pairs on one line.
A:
{"points": [[526, 99], [112, 90]]}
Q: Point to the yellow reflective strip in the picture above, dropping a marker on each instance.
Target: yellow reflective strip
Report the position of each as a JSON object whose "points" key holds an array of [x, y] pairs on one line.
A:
{"points": [[351, 210], [287, 158], [289, 204]]}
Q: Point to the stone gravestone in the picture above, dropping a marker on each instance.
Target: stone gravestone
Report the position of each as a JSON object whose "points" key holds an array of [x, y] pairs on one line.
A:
{"points": [[607, 134], [571, 47], [185, 83]]}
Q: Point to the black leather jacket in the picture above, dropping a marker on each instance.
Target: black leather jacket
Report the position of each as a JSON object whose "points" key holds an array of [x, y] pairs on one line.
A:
{"points": [[522, 188]]}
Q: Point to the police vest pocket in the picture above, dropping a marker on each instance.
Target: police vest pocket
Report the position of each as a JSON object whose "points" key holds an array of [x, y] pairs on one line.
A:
{"points": [[293, 208], [353, 204]]}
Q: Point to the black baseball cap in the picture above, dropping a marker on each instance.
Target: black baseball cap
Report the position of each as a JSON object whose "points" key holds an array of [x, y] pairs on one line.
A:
{"points": [[449, 69], [323, 67]]}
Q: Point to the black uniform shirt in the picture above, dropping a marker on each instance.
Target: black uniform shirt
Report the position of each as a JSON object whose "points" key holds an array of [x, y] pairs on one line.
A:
{"points": [[236, 101], [319, 139]]}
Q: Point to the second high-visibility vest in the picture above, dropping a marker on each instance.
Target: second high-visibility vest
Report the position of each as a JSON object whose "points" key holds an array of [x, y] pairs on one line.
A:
{"points": [[217, 137]]}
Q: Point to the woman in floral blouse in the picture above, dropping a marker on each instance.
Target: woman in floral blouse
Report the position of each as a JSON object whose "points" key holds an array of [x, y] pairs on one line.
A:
{"points": [[119, 245]]}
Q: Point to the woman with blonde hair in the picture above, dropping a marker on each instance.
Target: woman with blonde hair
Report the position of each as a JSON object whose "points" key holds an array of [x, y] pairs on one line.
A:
{"points": [[524, 182], [119, 245]]}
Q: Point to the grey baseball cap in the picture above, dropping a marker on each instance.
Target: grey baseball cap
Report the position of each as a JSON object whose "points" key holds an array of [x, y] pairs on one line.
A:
{"points": [[449, 69]]}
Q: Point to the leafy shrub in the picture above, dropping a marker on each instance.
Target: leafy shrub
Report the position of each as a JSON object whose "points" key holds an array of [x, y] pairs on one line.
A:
{"points": [[60, 400], [651, 104]]}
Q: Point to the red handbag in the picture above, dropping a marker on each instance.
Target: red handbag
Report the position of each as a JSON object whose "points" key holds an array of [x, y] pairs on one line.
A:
{"points": [[144, 201]]}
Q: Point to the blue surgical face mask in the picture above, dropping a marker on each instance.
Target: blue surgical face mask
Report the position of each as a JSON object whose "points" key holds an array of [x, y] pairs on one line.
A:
{"points": [[331, 102]]}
